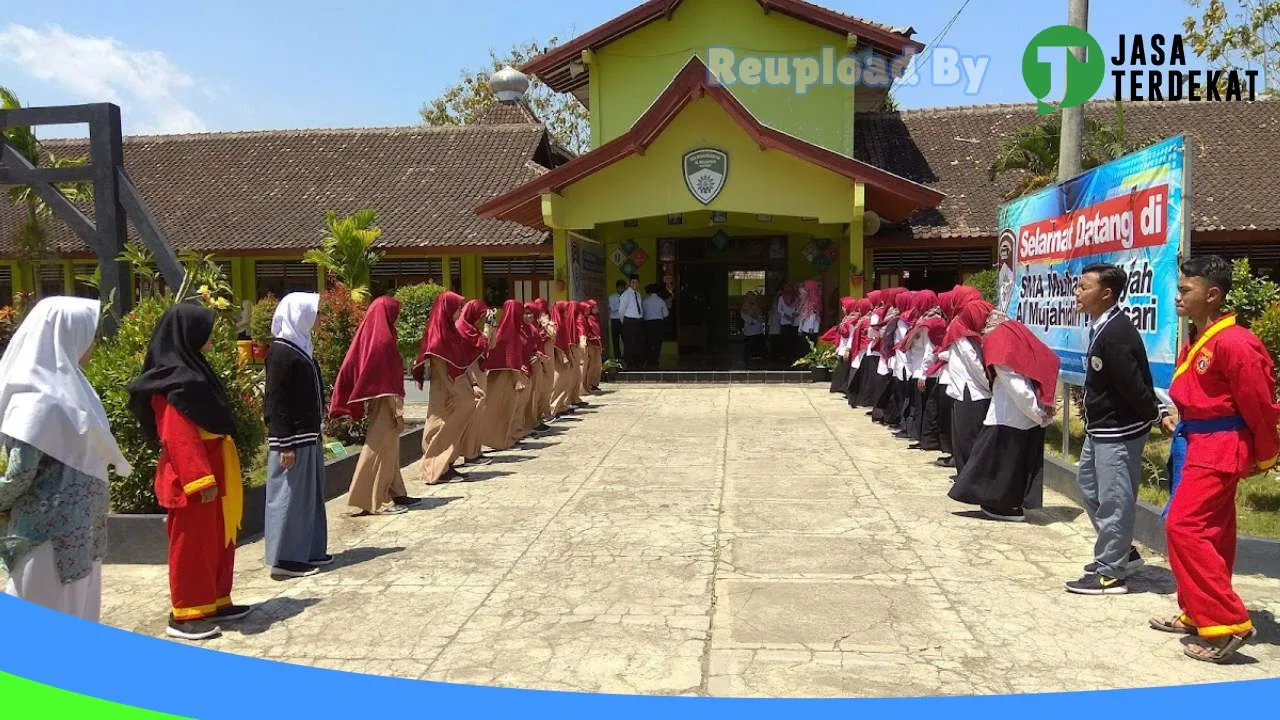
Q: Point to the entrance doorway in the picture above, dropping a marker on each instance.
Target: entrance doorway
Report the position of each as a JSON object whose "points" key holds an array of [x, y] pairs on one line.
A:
{"points": [[713, 277]]}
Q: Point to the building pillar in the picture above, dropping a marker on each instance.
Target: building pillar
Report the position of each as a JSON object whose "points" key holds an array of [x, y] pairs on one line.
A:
{"points": [[560, 250], [250, 278], [856, 282], [68, 278], [472, 287]]}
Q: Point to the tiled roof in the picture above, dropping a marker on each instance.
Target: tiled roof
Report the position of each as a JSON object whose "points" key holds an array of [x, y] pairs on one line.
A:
{"points": [[1235, 179], [269, 190]]}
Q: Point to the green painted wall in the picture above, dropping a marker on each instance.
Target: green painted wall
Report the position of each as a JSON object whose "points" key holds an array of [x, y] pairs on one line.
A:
{"points": [[630, 73], [653, 184]]}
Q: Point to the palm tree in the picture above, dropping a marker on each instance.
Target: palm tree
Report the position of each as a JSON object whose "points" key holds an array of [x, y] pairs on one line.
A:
{"points": [[347, 251], [31, 234], [1032, 151]]}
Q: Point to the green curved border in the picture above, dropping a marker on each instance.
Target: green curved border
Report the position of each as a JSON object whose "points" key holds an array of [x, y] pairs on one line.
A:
{"points": [[21, 699]]}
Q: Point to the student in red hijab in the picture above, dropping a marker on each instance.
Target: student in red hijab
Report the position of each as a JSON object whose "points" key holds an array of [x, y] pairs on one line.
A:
{"points": [[526, 418], [1004, 476], [446, 358], [370, 384], [891, 408], [970, 388], [566, 338], [474, 327], [504, 364], [862, 369], [578, 352], [595, 348], [547, 361], [841, 335], [920, 348], [941, 366]]}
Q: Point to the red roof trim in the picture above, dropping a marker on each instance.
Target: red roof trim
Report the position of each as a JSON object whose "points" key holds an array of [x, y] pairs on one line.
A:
{"points": [[902, 196], [551, 66]]}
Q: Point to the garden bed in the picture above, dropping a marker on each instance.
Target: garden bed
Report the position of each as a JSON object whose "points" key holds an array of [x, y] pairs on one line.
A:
{"points": [[142, 539]]}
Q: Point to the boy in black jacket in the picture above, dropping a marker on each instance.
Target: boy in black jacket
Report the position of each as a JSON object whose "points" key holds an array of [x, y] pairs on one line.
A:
{"points": [[1120, 406]]}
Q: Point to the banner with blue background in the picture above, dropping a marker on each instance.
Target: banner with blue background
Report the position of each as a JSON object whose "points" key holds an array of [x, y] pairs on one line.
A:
{"points": [[1130, 212]]}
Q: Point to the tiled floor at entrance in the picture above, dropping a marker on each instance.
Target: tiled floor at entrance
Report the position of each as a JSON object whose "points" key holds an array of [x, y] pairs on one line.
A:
{"points": [[720, 540]]}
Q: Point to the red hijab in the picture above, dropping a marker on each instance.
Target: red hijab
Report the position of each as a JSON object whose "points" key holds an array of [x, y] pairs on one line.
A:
{"points": [[562, 316], [509, 345], [923, 304], [441, 339], [471, 314], [539, 308], [530, 333], [968, 323], [373, 366], [963, 295], [1012, 344], [580, 326], [592, 311], [947, 303]]}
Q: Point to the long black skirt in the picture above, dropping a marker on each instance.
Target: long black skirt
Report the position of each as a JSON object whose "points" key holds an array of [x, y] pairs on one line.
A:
{"points": [[906, 393], [858, 380], [840, 376], [929, 433], [966, 422], [943, 404], [884, 409], [873, 383], [1005, 471]]}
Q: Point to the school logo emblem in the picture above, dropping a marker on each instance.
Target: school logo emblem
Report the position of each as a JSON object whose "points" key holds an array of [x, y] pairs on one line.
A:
{"points": [[705, 172], [1203, 362], [1096, 363]]}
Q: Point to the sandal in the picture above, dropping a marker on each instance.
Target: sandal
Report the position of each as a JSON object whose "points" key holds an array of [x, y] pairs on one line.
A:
{"points": [[1218, 654], [1174, 625]]}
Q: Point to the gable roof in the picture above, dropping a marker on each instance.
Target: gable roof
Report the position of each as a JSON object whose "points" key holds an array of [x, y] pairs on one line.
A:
{"points": [[553, 66], [894, 196], [1232, 149], [264, 191]]}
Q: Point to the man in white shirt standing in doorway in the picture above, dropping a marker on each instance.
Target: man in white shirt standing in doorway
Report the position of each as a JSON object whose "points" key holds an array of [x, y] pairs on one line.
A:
{"points": [[631, 310], [655, 315]]}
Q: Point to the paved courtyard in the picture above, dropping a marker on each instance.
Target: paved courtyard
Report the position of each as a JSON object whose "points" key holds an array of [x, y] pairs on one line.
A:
{"points": [[714, 540]]}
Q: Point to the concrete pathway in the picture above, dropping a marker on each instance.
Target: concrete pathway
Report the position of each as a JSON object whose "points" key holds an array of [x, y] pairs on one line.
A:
{"points": [[728, 540]]}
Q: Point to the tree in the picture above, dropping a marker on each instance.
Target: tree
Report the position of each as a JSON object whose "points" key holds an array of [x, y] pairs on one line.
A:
{"points": [[31, 235], [1032, 150], [566, 118], [1247, 32], [347, 251]]}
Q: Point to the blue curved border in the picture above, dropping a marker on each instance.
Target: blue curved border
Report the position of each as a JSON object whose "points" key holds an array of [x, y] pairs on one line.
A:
{"points": [[179, 679]]}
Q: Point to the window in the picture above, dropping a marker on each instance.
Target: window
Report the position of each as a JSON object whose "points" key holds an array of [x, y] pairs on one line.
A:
{"points": [[282, 278], [81, 288], [51, 280], [389, 275], [6, 284], [517, 278]]}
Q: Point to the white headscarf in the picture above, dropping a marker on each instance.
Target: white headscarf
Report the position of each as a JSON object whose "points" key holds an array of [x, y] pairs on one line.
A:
{"points": [[294, 318], [45, 399]]}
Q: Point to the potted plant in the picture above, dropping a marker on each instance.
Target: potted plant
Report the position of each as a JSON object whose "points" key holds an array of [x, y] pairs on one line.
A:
{"points": [[260, 325], [609, 370], [820, 359]]}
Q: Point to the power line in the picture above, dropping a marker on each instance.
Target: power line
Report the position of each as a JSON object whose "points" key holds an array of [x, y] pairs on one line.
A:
{"points": [[928, 51]]}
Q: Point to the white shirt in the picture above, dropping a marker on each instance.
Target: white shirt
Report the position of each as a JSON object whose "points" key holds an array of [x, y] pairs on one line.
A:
{"points": [[615, 305], [845, 344], [944, 375], [786, 313], [899, 362], [811, 323], [655, 308], [967, 372], [1014, 403], [752, 325], [629, 305], [919, 355]]}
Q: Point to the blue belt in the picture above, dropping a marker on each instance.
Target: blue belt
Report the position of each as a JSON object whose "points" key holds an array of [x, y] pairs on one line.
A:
{"points": [[1178, 450]]}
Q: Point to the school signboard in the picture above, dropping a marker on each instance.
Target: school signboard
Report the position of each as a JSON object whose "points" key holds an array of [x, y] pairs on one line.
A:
{"points": [[1130, 212], [586, 269]]}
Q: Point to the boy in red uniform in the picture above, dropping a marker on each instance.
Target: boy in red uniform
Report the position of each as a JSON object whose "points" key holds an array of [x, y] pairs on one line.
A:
{"points": [[1224, 391], [183, 408]]}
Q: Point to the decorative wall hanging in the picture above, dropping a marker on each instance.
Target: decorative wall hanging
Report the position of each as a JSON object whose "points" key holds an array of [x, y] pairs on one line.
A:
{"points": [[705, 173]]}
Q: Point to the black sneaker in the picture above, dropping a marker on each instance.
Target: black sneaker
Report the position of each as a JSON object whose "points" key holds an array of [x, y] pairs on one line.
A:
{"points": [[1015, 515], [946, 462], [406, 501], [232, 612], [1134, 562], [293, 569], [1095, 584], [480, 460], [542, 427], [191, 629], [322, 561]]}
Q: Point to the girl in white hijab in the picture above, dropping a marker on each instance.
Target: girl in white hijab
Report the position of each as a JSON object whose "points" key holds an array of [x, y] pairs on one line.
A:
{"points": [[57, 446], [296, 528]]}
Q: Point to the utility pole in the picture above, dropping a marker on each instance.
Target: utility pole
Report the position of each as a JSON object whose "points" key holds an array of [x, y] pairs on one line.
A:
{"points": [[1069, 149]]}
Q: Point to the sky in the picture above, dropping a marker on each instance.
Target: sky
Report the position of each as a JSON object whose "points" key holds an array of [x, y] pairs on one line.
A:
{"points": [[199, 66]]}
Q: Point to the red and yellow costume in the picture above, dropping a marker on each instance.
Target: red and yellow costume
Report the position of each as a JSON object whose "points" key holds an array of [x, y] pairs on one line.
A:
{"points": [[202, 536], [1224, 390]]}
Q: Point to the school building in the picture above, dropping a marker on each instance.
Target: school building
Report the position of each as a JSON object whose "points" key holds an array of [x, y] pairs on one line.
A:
{"points": [[709, 189]]}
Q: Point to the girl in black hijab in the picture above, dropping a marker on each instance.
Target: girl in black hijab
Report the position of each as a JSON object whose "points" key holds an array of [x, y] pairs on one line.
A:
{"points": [[183, 407]]}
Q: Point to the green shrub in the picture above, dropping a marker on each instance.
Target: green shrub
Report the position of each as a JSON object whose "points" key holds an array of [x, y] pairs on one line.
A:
{"points": [[415, 310], [985, 282], [1251, 295], [1267, 328], [340, 315], [117, 361], [260, 319]]}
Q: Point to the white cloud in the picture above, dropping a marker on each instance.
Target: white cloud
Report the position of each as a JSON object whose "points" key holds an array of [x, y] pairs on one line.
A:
{"points": [[144, 83]]}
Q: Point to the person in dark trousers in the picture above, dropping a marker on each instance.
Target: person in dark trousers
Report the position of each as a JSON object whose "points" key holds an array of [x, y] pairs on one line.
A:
{"points": [[631, 310], [1120, 407], [655, 324], [615, 320]]}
